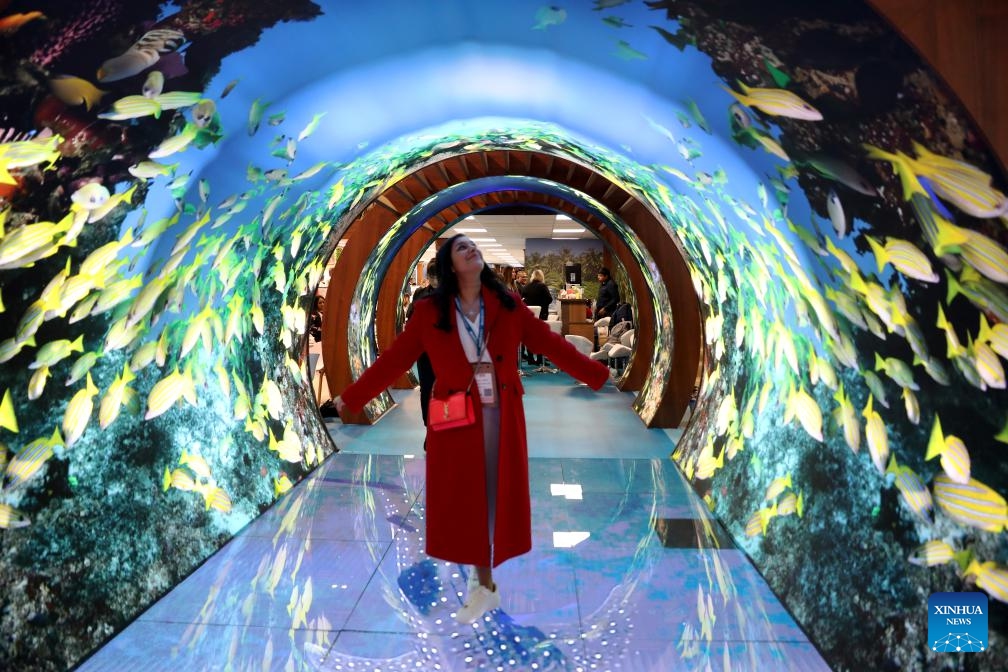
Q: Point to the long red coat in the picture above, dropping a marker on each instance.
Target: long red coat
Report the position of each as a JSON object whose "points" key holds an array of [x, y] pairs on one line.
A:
{"points": [[456, 487]]}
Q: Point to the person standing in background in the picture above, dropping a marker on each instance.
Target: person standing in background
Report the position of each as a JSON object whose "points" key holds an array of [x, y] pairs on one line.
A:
{"points": [[425, 372], [537, 294], [608, 295]]}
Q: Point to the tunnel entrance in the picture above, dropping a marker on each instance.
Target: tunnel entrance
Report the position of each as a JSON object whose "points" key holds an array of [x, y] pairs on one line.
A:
{"points": [[391, 209]]}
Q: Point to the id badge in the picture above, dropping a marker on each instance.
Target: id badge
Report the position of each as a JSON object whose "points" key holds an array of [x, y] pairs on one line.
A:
{"points": [[486, 384]]}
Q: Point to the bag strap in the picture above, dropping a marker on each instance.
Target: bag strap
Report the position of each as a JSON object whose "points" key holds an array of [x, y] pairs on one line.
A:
{"points": [[480, 351]]}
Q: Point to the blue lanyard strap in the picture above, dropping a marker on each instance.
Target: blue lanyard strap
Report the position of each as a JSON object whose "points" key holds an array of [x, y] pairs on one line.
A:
{"points": [[478, 341]]}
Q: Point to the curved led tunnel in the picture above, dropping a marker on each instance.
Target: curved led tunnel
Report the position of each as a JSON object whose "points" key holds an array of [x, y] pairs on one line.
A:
{"points": [[176, 176], [662, 409]]}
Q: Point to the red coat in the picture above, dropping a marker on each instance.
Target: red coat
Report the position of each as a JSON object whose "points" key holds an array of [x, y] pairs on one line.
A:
{"points": [[456, 489]]}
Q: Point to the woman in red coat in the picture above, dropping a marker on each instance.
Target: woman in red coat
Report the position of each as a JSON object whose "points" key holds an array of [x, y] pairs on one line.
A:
{"points": [[478, 509]]}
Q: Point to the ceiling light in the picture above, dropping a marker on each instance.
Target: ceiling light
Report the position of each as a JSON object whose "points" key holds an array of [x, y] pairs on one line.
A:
{"points": [[483, 240], [563, 217], [579, 230], [477, 230]]}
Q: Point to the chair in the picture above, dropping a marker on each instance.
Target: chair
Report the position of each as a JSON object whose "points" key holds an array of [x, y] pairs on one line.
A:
{"points": [[602, 328], [619, 353], [583, 345]]}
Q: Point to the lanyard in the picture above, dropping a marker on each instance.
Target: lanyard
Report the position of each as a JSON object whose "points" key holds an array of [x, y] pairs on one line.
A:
{"points": [[478, 341]]}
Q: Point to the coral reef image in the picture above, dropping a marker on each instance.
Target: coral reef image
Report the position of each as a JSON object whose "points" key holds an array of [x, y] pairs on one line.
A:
{"points": [[175, 176]]}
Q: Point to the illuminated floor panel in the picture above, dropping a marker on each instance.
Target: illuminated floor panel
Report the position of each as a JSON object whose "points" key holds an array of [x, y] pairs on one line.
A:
{"points": [[601, 589]]}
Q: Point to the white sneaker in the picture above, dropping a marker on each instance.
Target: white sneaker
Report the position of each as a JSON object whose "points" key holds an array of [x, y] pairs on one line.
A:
{"points": [[478, 602], [472, 582]]}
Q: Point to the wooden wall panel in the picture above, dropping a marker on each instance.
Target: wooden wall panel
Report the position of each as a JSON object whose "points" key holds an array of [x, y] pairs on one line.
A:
{"points": [[390, 296], [362, 237], [966, 42]]}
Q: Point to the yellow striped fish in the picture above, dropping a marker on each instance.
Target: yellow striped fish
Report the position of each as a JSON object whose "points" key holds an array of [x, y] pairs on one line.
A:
{"points": [[971, 503], [758, 521], [22, 154], [78, 412], [990, 577], [242, 404], [115, 293], [32, 242], [874, 384], [707, 464], [31, 458], [875, 433], [121, 334], [196, 463], [897, 370], [800, 404], [904, 257], [985, 256], [777, 486], [8, 419], [54, 352], [167, 391], [776, 102], [912, 406], [933, 553], [934, 369], [36, 386], [133, 107], [270, 398], [981, 292], [115, 397], [97, 214], [955, 458], [9, 349], [726, 414], [143, 356], [846, 416], [217, 498], [987, 364], [914, 492], [996, 337], [173, 100], [11, 518], [180, 479], [281, 484], [965, 186], [175, 143], [791, 503]]}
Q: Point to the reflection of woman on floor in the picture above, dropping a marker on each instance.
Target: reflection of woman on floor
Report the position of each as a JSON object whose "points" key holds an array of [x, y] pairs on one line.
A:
{"points": [[478, 508]]}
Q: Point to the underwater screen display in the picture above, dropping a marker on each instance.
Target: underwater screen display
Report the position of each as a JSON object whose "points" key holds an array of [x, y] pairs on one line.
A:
{"points": [[175, 176]]}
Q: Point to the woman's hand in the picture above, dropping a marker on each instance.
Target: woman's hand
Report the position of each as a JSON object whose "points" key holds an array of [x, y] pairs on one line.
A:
{"points": [[340, 405]]}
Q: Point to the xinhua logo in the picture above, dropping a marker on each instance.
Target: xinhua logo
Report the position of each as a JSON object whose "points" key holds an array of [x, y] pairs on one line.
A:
{"points": [[957, 622]]}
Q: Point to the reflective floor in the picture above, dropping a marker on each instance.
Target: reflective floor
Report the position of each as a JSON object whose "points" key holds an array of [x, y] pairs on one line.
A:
{"points": [[626, 573]]}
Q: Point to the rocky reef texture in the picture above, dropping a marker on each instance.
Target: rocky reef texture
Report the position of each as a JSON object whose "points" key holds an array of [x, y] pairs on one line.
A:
{"points": [[842, 568], [105, 538]]}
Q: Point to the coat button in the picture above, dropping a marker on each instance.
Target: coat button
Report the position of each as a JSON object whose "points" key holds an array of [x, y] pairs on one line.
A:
{"points": [[500, 358]]}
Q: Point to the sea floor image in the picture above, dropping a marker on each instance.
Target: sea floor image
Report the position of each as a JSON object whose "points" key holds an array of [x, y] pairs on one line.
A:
{"points": [[627, 571]]}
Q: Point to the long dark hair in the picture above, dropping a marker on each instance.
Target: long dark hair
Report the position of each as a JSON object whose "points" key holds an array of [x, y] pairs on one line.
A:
{"points": [[448, 286]]}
